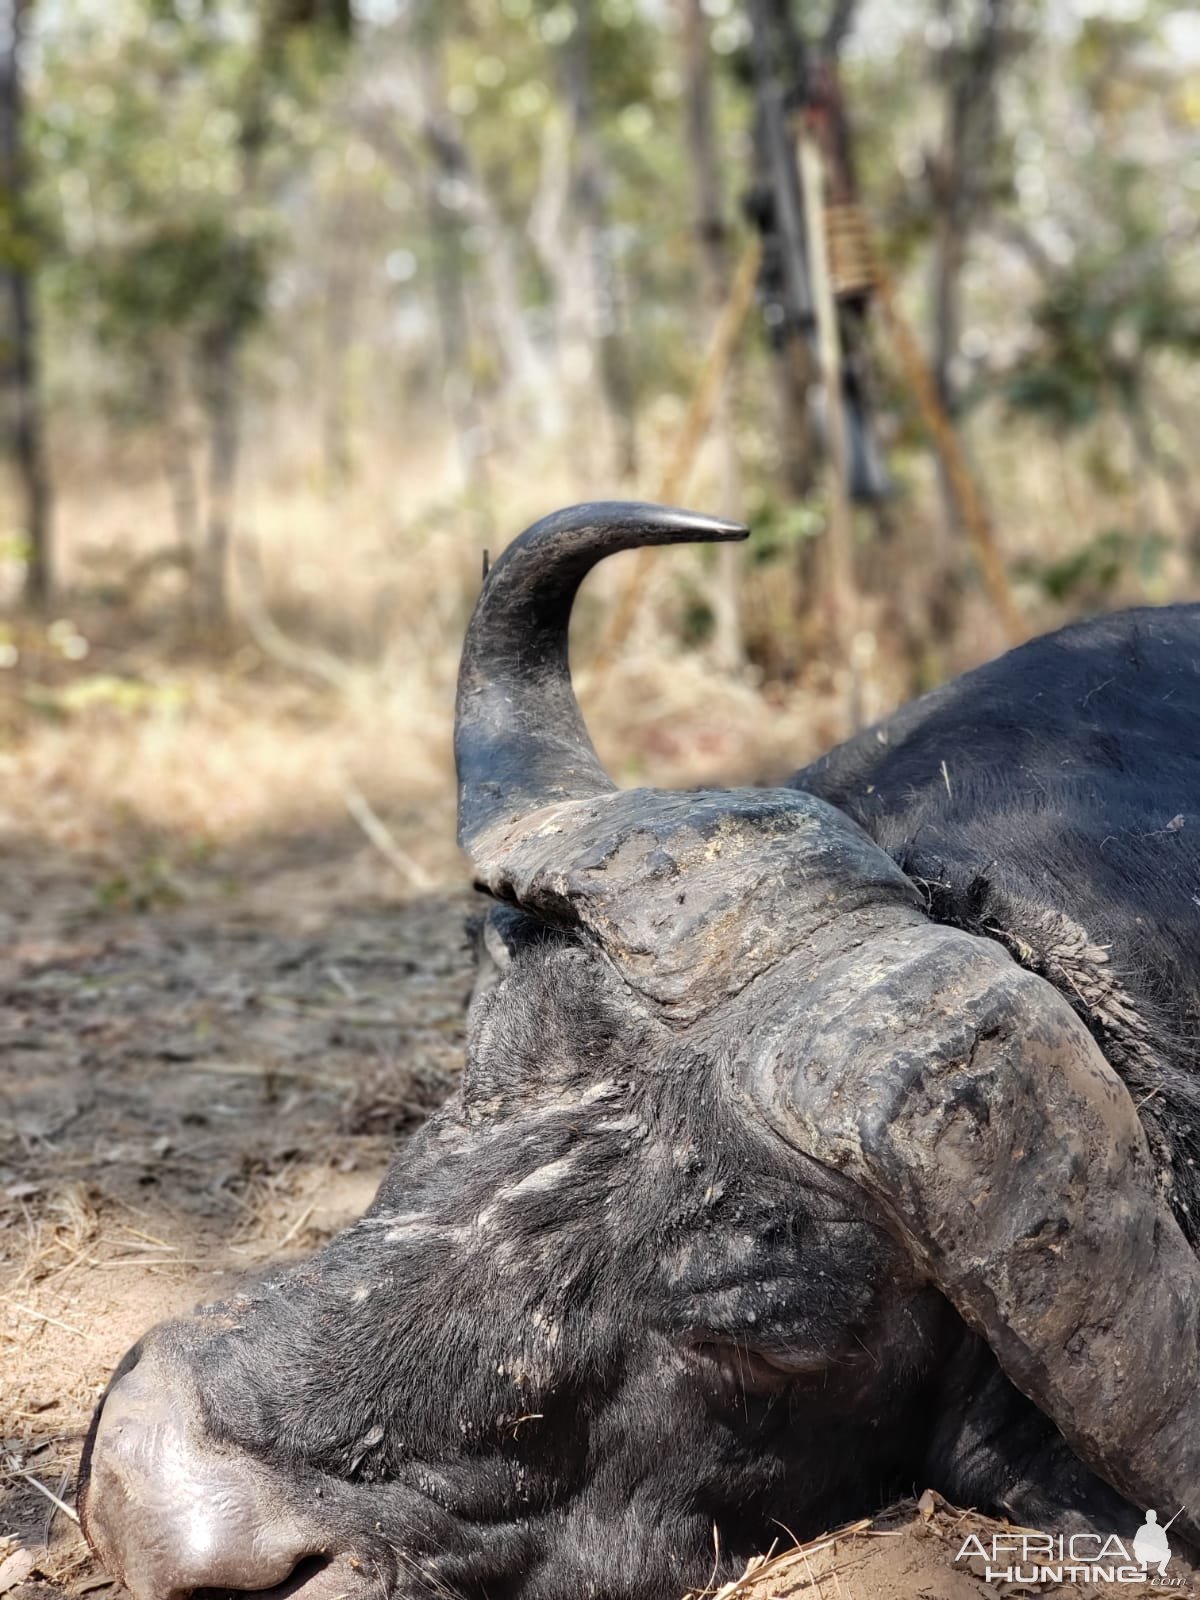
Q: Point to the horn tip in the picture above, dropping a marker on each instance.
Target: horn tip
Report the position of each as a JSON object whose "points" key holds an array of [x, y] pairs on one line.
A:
{"points": [[679, 522]]}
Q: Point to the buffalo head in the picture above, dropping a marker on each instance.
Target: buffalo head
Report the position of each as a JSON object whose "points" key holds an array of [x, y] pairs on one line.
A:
{"points": [[764, 1198]]}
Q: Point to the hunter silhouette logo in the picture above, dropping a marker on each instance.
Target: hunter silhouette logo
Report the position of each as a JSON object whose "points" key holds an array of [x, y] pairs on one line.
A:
{"points": [[1150, 1543], [1036, 1558]]}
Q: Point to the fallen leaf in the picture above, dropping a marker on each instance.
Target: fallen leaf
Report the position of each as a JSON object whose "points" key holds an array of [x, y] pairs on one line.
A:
{"points": [[14, 1569]]}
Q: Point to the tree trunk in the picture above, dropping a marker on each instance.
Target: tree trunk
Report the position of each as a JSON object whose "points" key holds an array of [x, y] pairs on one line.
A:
{"points": [[959, 173], [711, 235], [776, 206], [223, 346], [337, 332], [221, 349], [446, 192], [588, 202], [170, 391], [223, 397], [528, 376], [527, 371], [559, 253], [23, 374]]}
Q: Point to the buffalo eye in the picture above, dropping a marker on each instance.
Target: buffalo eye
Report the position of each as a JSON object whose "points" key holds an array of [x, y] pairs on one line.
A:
{"points": [[735, 1368]]}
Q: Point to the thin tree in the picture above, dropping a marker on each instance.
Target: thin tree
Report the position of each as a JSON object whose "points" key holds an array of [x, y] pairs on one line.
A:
{"points": [[18, 262], [712, 238], [961, 172], [589, 205], [960, 175], [224, 344], [445, 193]]}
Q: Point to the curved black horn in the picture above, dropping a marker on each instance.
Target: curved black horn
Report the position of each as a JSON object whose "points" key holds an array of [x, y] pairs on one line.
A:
{"points": [[519, 739], [974, 1105]]}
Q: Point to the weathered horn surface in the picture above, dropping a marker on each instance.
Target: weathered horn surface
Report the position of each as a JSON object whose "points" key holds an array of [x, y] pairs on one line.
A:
{"points": [[693, 894], [964, 1094], [519, 739], [689, 894]]}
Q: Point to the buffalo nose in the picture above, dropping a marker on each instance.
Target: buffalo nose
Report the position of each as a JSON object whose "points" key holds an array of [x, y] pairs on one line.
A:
{"points": [[178, 1517]]}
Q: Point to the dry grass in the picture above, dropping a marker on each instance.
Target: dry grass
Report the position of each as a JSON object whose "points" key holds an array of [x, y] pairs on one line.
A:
{"points": [[334, 708], [42, 1249]]}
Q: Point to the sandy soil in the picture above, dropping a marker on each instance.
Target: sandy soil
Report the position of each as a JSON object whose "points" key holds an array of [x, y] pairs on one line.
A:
{"points": [[188, 1090]]}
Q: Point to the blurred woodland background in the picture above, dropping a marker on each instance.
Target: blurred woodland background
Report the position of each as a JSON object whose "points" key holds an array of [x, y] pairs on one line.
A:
{"points": [[306, 303]]}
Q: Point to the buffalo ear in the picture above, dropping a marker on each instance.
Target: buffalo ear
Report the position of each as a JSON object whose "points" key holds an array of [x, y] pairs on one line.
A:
{"points": [[496, 937], [969, 1100]]}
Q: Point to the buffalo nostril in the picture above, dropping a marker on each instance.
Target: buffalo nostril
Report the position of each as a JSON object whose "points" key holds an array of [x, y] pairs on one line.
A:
{"points": [[178, 1516]]}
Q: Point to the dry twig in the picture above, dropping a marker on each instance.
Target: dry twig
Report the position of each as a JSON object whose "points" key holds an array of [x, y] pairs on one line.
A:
{"points": [[43, 1316], [21, 1472], [379, 834]]}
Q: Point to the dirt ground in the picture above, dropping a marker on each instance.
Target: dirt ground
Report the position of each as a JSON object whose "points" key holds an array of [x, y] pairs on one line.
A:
{"points": [[186, 1092]]}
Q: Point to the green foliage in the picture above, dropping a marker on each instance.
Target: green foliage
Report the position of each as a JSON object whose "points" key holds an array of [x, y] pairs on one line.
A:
{"points": [[166, 131], [150, 885], [507, 63], [1091, 573], [780, 526], [185, 275], [1102, 316], [107, 692]]}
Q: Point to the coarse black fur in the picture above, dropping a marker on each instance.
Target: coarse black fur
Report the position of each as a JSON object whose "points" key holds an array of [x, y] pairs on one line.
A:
{"points": [[591, 1316], [596, 1321]]}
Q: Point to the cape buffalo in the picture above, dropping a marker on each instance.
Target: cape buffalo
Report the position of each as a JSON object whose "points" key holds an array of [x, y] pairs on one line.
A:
{"points": [[814, 1144]]}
